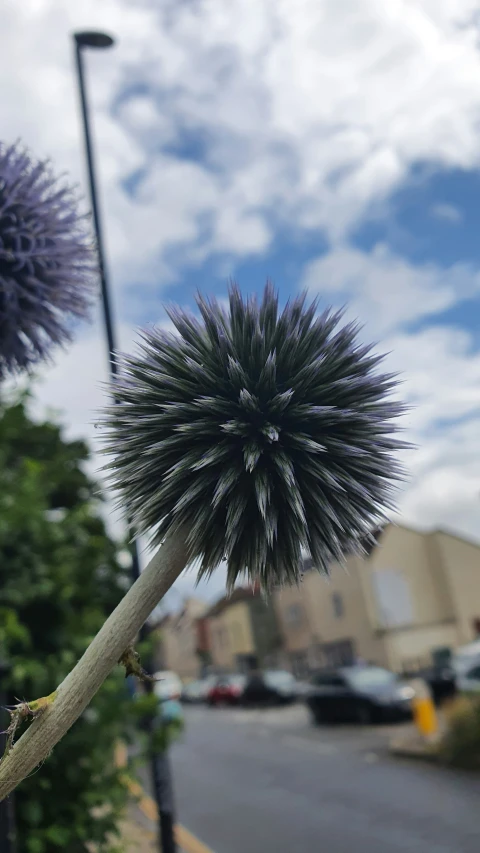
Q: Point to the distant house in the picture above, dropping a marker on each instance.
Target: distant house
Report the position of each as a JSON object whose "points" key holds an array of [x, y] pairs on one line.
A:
{"points": [[243, 631], [413, 596], [183, 642]]}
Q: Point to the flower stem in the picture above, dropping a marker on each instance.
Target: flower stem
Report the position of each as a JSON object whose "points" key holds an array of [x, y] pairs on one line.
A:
{"points": [[79, 687]]}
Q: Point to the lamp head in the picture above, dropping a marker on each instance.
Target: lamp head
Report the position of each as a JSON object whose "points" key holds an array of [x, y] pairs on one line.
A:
{"points": [[93, 39]]}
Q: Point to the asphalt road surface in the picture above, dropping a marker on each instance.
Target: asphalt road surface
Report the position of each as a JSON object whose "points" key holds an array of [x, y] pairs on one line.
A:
{"points": [[253, 782]]}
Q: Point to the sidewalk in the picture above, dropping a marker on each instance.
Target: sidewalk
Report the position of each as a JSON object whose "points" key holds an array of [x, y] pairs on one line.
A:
{"points": [[135, 837], [138, 829], [138, 832], [140, 826], [411, 744]]}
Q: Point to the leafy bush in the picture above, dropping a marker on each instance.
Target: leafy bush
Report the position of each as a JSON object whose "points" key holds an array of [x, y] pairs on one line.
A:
{"points": [[60, 576], [460, 745]]}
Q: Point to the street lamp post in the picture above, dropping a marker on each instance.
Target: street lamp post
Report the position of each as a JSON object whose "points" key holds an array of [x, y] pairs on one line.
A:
{"points": [[160, 767], [7, 815], [98, 41]]}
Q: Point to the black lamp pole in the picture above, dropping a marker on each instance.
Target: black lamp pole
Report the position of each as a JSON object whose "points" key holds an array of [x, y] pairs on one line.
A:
{"points": [[160, 767], [7, 814]]}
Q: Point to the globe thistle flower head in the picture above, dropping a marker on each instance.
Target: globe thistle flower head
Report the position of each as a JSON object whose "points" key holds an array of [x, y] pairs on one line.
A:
{"points": [[257, 432], [47, 261]]}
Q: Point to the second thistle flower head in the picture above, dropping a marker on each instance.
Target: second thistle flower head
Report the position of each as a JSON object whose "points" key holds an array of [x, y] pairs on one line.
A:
{"points": [[47, 261], [256, 432]]}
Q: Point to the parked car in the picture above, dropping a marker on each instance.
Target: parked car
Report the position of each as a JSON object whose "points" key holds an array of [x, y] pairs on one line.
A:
{"points": [[465, 664], [441, 681], [273, 687], [363, 694], [167, 685], [227, 690], [469, 680], [192, 692], [460, 673], [197, 691]]}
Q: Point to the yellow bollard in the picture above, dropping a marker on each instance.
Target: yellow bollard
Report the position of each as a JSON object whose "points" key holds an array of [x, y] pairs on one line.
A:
{"points": [[424, 713]]}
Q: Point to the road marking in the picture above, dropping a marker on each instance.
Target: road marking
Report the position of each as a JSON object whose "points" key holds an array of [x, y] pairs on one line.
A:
{"points": [[184, 838], [189, 842]]}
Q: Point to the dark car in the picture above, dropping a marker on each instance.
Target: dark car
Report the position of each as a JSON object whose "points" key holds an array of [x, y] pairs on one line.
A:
{"points": [[272, 687], [442, 683], [363, 694]]}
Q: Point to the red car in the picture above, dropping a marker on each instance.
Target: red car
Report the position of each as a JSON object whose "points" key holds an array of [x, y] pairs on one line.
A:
{"points": [[228, 690]]}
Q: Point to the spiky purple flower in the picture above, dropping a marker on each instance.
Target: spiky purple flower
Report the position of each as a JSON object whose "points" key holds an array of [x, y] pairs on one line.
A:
{"points": [[255, 432], [47, 261]]}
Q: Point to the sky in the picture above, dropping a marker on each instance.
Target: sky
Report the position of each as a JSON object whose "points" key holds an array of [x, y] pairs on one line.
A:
{"points": [[327, 144]]}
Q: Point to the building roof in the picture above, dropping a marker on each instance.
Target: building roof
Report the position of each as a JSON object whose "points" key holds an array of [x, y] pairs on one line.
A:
{"points": [[372, 541], [196, 608], [252, 592], [240, 593], [369, 544], [467, 539], [167, 617]]}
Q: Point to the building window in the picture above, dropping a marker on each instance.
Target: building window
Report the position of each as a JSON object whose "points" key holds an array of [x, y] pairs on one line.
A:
{"points": [[222, 637], [294, 615], [341, 653], [337, 602]]}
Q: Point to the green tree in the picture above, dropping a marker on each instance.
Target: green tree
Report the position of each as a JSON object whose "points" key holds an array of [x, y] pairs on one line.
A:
{"points": [[60, 577]]}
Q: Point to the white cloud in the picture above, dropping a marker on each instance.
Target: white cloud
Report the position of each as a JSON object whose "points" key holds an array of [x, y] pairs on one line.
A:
{"points": [[445, 485], [336, 100], [77, 382], [439, 367], [384, 290], [310, 114], [448, 212], [441, 372]]}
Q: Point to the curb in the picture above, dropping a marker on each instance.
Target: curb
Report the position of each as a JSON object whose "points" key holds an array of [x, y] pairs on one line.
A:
{"points": [[186, 841], [413, 750], [135, 837]]}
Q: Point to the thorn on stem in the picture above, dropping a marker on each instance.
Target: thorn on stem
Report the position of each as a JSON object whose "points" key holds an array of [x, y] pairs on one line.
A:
{"points": [[21, 712], [131, 661]]}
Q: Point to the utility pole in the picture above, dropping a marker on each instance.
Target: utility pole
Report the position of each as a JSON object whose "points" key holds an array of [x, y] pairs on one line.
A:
{"points": [[160, 766]]}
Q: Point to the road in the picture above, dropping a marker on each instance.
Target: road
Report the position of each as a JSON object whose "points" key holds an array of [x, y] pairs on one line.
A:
{"points": [[270, 783]]}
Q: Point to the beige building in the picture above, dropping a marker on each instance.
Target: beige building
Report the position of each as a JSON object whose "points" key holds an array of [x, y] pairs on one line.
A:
{"points": [[413, 596], [243, 631], [230, 632], [180, 640]]}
